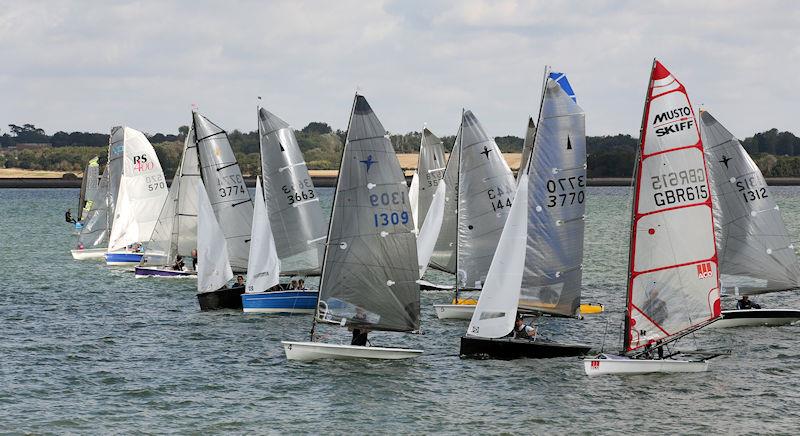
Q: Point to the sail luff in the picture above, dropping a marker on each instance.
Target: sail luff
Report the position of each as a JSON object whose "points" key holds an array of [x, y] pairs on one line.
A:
{"points": [[674, 279], [445, 253]]}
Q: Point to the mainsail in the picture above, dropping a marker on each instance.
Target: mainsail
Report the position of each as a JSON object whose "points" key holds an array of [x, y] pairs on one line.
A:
{"points": [[89, 185], [527, 147], [142, 191], [430, 169], [226, 189], [213, 268], [756, 254], [94, 232], [674, 282], [114, 168], [263, 267], [486, 188], [175, 234], [444, 252], [294, 210], [370, 270], [542, 271]]}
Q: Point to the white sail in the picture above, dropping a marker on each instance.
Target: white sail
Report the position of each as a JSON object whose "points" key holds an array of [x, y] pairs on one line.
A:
{"points": [[413, 198], [263, 265], [213, 268], [94, 232], [145, 191], [756, 254], [496, 310], [429, 231]]}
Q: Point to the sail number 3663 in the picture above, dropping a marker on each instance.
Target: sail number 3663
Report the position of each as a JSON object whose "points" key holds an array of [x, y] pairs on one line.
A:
{"points": [[566, 191], [302, 190]]}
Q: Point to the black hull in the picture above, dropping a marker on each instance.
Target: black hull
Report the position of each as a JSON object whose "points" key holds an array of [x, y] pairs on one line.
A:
{"points": [[507, 348], [230, 298], [760, 313]]}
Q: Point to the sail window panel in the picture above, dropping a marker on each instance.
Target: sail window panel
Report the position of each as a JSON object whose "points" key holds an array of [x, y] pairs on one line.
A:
{"points": [[668, 301], [673, 237], [670, 124], [672, 180]]}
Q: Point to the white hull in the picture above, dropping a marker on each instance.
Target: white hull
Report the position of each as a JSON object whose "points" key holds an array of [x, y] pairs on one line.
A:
{"points": [[756, 318], [307, 351], [89, 253], [623, 365], [454, 311]]}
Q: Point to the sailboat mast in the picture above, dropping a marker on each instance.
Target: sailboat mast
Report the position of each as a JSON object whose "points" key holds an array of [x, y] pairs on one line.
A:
{"points": [[330, 222], [460, 137]]}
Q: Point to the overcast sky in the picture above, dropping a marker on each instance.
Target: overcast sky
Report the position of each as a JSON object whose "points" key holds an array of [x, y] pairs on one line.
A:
{"points": [[91, 65]]}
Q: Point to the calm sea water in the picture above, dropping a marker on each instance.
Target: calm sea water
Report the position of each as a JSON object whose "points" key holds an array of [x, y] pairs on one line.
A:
{"points": [[89, 349]]}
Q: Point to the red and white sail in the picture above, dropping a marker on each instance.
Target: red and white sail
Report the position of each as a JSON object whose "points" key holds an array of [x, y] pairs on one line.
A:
{"points": [[674, 280]]}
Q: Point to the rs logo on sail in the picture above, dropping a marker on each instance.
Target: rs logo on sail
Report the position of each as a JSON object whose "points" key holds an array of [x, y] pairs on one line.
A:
{"points": [[679, 119], [704, 270], [140, 163]]}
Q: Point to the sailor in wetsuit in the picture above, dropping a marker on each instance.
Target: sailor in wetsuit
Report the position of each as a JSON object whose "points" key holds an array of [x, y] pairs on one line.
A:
{"points": [[522, 331], [68, 217], [745, 303], [360, 333]]}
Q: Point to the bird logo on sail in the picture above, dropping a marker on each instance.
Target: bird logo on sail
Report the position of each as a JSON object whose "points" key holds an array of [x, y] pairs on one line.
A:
{"points": [[704, 270], [368, 162]]}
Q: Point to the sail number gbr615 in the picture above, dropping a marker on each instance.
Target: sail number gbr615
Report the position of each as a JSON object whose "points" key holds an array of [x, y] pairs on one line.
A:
{"points": [[299, 191], [389, 218], [566, 191], [677, 187]]}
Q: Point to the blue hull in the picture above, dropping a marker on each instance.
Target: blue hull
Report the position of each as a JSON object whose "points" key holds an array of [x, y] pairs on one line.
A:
{"points": [[123, 259], [280, 302]]}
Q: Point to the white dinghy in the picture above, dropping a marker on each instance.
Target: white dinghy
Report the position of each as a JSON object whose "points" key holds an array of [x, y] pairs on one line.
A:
{"points": [[478, 195], [370, 270], [673, 277], [756, 254]]}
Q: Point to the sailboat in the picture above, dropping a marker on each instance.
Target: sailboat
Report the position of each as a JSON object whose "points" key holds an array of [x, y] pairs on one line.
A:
{"points": [[479, 192], [537, 267], [88, 193], [370, 270], [175, 234], [139, 195], [225, 187], [756, 254], [213, 266], [527, 147], [673, 274], [93, 237], [295, 213]]}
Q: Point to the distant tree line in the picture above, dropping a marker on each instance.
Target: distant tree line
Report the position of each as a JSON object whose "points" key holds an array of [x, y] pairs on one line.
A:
{"points": [[776, 153]]}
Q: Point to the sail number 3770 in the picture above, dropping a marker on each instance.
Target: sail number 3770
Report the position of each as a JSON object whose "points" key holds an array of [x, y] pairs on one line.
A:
{"points": [[565, 191]]}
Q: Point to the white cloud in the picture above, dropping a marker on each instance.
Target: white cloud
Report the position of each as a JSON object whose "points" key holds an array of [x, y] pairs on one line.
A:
{"points": [[88, 66]]}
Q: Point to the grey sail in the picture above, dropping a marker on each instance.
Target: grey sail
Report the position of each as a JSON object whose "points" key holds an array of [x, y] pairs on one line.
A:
{"points": [[430, 168], [175, 233], [551, 282], [89, 185], [486, 190], [226, 190], [755, 252], [527, 147], [444, 253], [94, 232], [370, 268], [295, 214], [114, 168]]}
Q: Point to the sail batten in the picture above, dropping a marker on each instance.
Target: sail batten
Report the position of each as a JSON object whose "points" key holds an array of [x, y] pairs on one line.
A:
{"points": [[673, 282], [370, 267], [756, 254]]}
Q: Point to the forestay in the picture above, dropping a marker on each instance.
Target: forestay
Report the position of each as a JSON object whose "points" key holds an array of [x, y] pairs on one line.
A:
{"points": [[263, 267], [370, 269], [674, 282], [295, 213], [226, 188], [556, 196], [142, 192], [486, 189], [756, 254], [444, 252], [94, 232], [213, 268]]}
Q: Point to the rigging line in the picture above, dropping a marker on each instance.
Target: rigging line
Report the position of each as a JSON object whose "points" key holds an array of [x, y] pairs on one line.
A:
{"points": [[208, 136], [241, 202], [226, 166]]}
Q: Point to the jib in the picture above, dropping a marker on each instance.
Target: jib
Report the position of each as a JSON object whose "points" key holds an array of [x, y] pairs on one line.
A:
{"points": [[674, 128], [673, 114]]}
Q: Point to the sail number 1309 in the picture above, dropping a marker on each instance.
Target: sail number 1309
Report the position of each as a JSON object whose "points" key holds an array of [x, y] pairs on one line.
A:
{"points": [[389, 218]]}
